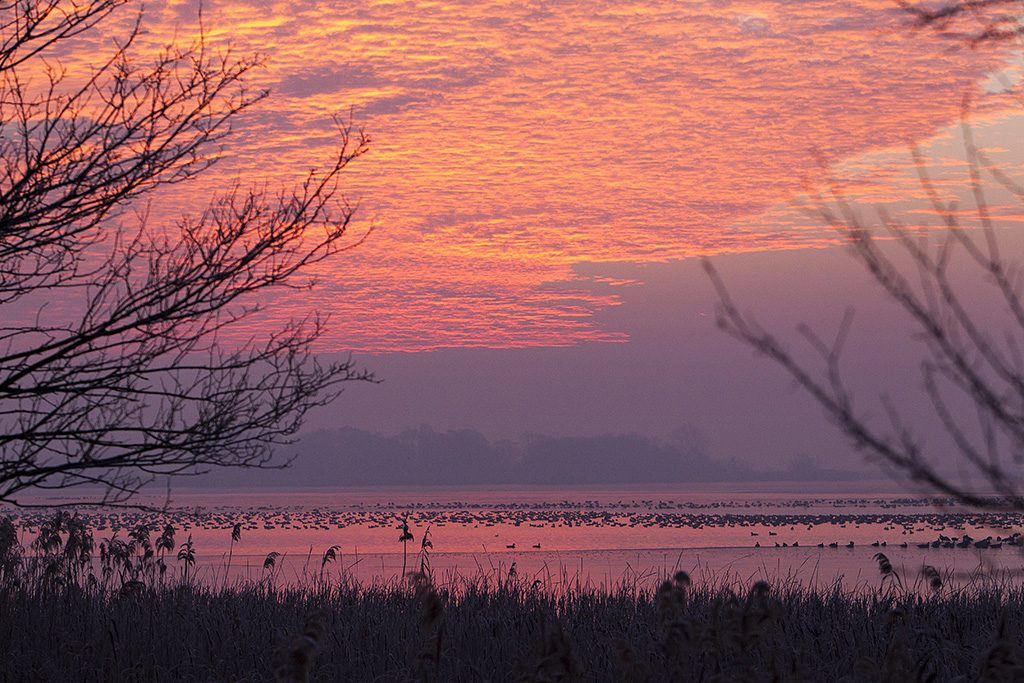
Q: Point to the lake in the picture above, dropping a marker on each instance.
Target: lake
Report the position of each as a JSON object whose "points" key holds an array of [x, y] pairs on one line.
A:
{"points": [[816, 534]]}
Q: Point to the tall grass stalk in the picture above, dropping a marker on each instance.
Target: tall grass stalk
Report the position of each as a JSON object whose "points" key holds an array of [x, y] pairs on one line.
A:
{"points": [[129, 623]]}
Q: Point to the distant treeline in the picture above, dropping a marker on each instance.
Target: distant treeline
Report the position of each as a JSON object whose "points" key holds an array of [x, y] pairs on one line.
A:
{"points": [[353, 457]]}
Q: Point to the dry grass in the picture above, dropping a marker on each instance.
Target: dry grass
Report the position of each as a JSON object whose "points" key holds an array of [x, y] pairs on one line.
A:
{"points": [[483, 631], [136, 623]]}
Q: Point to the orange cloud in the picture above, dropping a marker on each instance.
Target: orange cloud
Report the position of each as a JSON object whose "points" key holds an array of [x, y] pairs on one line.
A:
{"points": [[514, 141]]}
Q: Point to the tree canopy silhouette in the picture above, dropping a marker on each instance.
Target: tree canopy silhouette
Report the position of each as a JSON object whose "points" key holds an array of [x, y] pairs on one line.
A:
{"points": [[114, 364]]}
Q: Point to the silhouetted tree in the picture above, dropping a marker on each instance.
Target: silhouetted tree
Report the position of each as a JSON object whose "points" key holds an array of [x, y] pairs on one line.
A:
{"points": [[966, 361], [113, 362]]}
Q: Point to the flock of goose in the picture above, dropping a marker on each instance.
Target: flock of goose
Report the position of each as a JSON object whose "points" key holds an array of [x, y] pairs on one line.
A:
{"points": [[966, 541], [905, 516]]}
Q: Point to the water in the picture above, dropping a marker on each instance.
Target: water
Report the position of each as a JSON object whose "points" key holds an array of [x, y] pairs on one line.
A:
{"points": [[591, 536]]}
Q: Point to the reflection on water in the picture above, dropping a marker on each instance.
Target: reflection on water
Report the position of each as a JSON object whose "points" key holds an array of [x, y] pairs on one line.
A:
{"points": [[599, 537]]}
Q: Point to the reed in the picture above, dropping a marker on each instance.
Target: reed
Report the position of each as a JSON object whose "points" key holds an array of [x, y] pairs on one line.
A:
{"points": [[128, 622]]}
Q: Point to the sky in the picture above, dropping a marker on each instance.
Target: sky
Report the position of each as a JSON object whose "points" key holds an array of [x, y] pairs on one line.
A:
{"points": [[543, 176]]}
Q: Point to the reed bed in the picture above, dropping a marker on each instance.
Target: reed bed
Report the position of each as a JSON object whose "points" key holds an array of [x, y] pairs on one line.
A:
{"points": [[503, 633], [60, 621]]}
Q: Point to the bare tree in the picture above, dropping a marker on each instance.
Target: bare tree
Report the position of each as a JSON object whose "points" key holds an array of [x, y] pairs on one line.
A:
{"points": [[966, 361], [114, 360]]}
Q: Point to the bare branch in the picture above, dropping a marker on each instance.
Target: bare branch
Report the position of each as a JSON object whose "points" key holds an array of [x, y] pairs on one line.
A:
{"points": [[137, 381], [964, 361]]}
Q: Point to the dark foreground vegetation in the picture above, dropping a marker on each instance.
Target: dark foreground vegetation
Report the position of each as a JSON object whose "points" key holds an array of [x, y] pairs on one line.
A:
{"points": [[503, 632], [137, 613]]}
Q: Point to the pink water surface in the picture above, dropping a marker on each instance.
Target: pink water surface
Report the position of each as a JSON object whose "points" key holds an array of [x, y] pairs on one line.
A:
{"points": [[597, 536]]}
